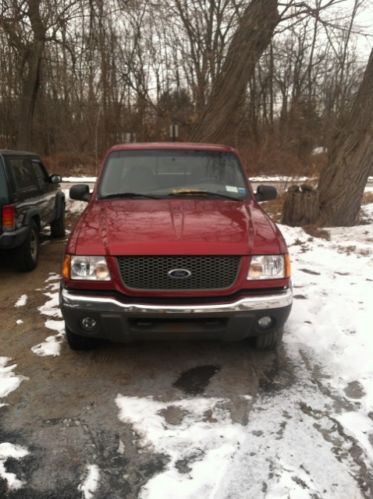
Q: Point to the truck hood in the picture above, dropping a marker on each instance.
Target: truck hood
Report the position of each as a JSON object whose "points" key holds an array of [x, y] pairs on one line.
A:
{"points": [[177, 226]]}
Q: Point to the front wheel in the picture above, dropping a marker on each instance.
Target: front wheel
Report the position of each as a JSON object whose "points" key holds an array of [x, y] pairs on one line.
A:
{"points": [[27, 254], [77, 342], [270, 340]]}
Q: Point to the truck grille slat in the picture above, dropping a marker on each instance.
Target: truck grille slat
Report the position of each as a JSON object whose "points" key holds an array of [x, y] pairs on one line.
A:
{"points": [[152, 272]]}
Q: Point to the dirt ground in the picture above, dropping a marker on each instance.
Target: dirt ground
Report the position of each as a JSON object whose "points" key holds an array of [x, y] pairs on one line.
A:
{"points": [[64, 412]]}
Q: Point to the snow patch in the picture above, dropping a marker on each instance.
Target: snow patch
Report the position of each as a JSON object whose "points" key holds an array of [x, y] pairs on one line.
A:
{"points": [[9, 381], [281, 179], [51, 307], [91, 481], [7, 451], [360, 427], [21, 302], [80, 180], [73, 206], [312, 438], [53, 277], [319, 150], [292, 450], [203, 443], [51, 346]]}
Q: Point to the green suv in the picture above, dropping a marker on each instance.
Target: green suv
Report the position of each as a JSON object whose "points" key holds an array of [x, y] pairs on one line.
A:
{"points": [[30, 199]]}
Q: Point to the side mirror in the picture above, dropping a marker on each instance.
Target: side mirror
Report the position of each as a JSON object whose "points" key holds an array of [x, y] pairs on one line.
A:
{"points": [[80, 192], [55, 179], [265, 193]]}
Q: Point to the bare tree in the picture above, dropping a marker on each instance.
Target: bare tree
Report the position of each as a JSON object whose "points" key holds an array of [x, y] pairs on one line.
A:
{"points": [[29, 25], [341, 186], [252, 36], [83, 73]]}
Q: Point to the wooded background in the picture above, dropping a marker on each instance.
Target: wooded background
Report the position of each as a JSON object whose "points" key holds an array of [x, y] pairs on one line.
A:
{"points": [[78, 76]]}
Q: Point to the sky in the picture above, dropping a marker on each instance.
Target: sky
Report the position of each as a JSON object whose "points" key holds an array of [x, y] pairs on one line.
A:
{"points": [[364, 24]]}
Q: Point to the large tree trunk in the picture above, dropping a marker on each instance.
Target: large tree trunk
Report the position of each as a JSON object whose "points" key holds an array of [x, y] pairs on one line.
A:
{"points": [[342, 182], [31, 73], [29, 95], [251, 38]]}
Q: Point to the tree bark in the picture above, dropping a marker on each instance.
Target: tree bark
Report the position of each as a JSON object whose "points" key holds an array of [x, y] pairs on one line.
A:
{"points": [[342, 182], [341, 185], [301, 206], [30, 76], [29, 93], [251, 38]]}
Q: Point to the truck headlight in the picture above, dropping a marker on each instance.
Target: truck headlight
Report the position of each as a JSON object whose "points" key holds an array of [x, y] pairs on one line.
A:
{"points": [[269, 267], [89, 268]]}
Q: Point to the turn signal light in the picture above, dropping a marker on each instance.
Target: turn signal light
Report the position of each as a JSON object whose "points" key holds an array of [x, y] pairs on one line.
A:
{"points": [[9, 217], [66, 267], [287, 266]]}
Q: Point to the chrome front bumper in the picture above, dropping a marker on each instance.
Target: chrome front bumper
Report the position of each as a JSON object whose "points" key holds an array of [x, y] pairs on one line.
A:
{"points": [[70, 300]]}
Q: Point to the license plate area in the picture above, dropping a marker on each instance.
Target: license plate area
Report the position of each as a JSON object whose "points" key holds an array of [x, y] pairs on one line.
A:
{"points": [[172, 325]]}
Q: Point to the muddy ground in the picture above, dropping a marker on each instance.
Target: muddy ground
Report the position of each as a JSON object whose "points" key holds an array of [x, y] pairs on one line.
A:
{"points": [[65, 414]]}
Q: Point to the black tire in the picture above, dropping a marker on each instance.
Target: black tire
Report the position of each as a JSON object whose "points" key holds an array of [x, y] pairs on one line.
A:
{"points": [[27, 254], [77, 342], [58, 224], [269, 341]]}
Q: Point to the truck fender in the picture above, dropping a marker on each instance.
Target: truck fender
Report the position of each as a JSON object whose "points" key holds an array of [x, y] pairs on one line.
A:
{"points": [[32, 214]]}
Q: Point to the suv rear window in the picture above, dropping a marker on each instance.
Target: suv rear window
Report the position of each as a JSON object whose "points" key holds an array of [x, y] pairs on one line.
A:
{"points": [[162, 172]]}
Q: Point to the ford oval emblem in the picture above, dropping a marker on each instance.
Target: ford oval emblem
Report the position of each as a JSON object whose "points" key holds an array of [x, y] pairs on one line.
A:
{"points": [[179, 273]]}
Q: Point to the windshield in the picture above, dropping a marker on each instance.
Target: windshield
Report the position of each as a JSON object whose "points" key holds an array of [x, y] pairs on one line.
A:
{"points": [[173, 173]]}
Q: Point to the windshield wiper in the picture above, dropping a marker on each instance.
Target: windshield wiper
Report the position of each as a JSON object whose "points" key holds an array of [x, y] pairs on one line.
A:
{"points": [[197, 192], [128, 195]]}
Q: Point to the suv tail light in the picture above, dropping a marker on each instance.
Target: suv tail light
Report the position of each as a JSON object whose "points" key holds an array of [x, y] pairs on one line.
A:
{"points": [[9, 217]]}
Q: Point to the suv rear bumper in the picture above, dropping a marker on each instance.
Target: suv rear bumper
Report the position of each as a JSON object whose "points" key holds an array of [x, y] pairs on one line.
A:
{"points": [[119, 321], [14, 238]]}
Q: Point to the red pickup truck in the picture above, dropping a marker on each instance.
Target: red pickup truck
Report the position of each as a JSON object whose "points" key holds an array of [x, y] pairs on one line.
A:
{"points": [[173, 244]]}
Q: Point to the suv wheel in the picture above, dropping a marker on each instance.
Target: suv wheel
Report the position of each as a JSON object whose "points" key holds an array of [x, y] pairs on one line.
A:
{"points": [[77, 342], [28, 253], [58, 224], [269, 341]]}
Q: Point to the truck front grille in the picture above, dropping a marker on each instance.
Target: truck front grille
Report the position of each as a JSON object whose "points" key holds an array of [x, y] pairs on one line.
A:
{"points": [[153, 272]]}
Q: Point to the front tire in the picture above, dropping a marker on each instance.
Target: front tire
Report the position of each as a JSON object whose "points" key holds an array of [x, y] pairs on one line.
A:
{"points": [[77, 342], [27, 254], [270, 340]]}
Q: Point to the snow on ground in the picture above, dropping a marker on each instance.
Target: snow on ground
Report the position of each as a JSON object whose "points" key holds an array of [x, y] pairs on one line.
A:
{"points": [[203, 446], [281, 178], [9, 382], [11, 451], [315, 438], [51, 346], [91, 481], [79, 180], [311, 439], [21, 302], [72, 206]]}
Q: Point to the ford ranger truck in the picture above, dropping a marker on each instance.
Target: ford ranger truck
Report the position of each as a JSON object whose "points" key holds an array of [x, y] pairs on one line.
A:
{"points": [[174, 245]]}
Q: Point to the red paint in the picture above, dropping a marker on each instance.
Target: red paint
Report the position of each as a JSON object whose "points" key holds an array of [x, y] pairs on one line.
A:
{"points": [[175, 227]]}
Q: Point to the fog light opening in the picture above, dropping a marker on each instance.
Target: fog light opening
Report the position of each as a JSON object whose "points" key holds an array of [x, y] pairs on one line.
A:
{"points": [[88, 323], [265, 322]]}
